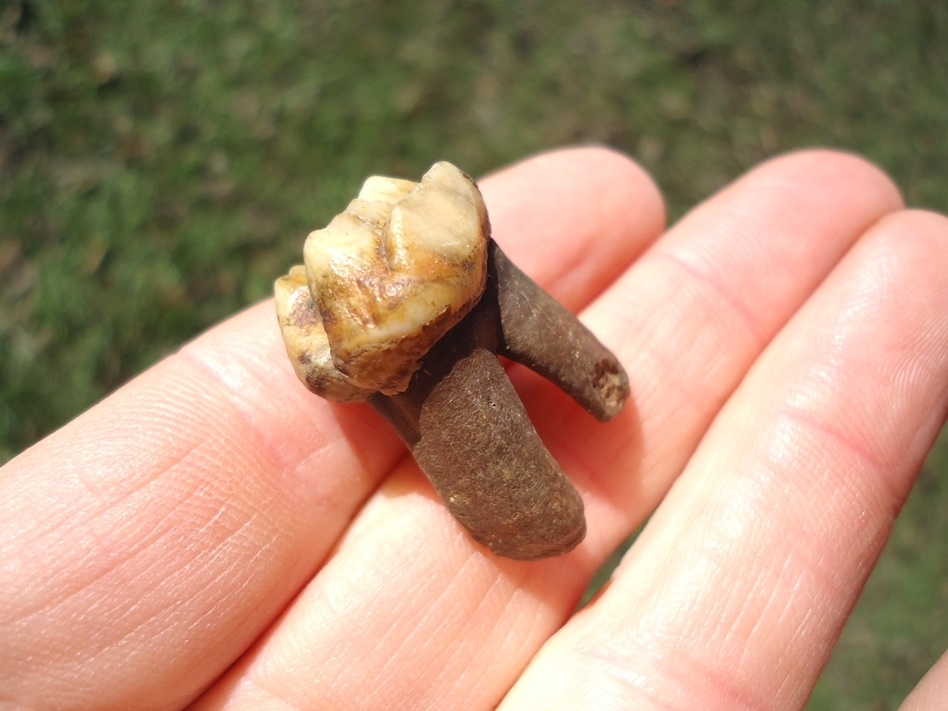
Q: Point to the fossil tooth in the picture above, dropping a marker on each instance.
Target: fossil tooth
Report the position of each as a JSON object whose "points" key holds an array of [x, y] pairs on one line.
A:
{"points": [[306, 342], [393, 273], [406, 302]]}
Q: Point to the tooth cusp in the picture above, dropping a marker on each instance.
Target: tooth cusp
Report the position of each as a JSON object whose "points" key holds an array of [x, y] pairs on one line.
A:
{"points": [[387, 278]]}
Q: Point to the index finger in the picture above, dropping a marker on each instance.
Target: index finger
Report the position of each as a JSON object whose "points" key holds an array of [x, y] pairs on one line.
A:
{"points": [[153, 538]]}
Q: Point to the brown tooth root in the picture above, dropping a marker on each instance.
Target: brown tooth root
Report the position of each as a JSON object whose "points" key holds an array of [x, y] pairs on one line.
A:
{"points": [[542, 334], [478, 447], [434, 374], [472, 437], [468, 429]]}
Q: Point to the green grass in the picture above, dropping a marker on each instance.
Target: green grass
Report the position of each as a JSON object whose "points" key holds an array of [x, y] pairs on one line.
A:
{"points": [[160, 163]]}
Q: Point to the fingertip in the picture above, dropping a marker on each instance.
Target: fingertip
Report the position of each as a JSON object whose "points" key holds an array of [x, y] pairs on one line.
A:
{"points": [[612, 178], [905, 254], [574, 218], [928, 228], [841, 172]]}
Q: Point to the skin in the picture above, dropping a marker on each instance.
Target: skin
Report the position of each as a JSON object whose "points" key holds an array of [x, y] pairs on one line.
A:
{"points": [[213, 533]]}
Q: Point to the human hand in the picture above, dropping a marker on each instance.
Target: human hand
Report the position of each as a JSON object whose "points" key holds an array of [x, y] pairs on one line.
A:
{"points": [[213, 529]]}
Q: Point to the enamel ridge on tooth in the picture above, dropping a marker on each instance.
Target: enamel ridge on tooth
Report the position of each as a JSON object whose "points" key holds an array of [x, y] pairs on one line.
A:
{"points": [[387, 278]]}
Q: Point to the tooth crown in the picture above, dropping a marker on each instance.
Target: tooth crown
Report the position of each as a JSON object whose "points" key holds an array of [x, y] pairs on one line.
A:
{"points": [[383, 282]]}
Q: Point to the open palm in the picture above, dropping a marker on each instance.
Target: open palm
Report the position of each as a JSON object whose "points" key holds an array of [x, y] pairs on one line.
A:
{"points": [[214, 534]]}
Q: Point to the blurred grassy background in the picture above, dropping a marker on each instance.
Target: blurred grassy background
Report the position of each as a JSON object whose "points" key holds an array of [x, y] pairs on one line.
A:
{"points": [[161, 162]]}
